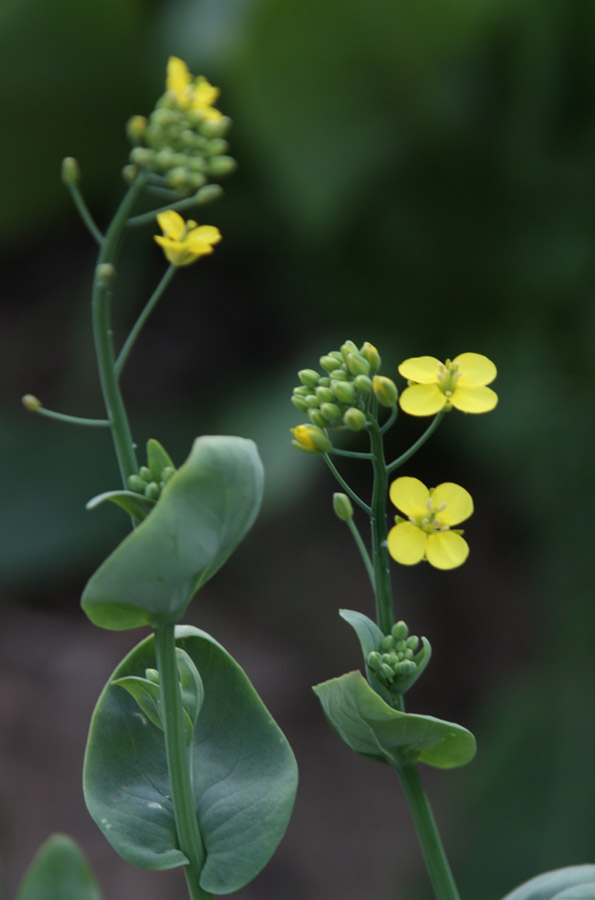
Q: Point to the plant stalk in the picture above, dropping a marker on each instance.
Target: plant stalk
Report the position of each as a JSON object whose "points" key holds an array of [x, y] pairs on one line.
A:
{"points": [[436, 862], [178, 761], [385, 615]]}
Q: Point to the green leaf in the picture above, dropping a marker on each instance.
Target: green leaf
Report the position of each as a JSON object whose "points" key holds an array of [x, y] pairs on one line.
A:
{"points": [[59, 871], [244, 773], [561, 884], [134, 504], [158, 458], [373, 728], [191, 688], [146, 693], [205, 510]]}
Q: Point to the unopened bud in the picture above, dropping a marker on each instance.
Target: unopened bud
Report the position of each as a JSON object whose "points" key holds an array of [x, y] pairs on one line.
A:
{"points": [[357, 364], [400, 631], [166, 474], [385, 390], [137, 484], [329, 363], [152, 675], [135, 128], [387, 643], [219, 166], [342, 506], [71, 173], [309, 377], [299, 403], [317, 418], [347, 348], [374, 660], [152, 491], [215, 128], [31, 402], [324, 394], [217, 147], [208, 194], [330, 411], [129, 173], [412, 642], [407, 667], [363, 384], [311, 438], [370, 353], [354, 419], [344, 391], [146, 474], [387, 672]]}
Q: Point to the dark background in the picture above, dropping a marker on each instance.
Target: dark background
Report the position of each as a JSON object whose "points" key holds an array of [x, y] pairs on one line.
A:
{"points": [[419, 174]]}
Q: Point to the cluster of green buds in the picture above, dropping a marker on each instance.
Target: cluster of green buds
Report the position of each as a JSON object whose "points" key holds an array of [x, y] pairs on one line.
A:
{"points": [[151, 478], [342, 397], [399, 660], [183, 142]]}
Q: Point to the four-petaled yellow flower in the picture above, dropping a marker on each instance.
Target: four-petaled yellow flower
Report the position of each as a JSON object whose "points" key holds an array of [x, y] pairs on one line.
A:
{"points": [[426, 533], [460, 383], [191, 93], [184, 242]]}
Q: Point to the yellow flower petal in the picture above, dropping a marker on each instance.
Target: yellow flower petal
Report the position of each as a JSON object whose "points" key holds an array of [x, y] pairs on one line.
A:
{"points": [[459, 503], [410, 495], [172, 224], [207, 233], [422, 400], [421, 369], [475, 369], [474, 399], [175, 251], [407, 543], [446, 549], [178, 76]]}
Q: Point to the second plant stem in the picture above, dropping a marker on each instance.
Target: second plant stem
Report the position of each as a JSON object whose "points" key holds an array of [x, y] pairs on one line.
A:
{"points": [[178, 761]]}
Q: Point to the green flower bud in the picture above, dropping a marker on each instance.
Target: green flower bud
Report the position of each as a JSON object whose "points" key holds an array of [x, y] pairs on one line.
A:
{"points": [[317, 418], [363, 384], [330, 411], [329, 363], [219, 166], [343, 508], [31, 402], [347, 348], [385, 390], [344, 391], [370, 353], [309, 377], [325, 395], [299, 403], [136, 483], [312, 401], [357, 364], [215, 128], [324, 382], [152, 491], [408, 653], [407, 667], [387, 672], [412, 642], [354, 419], [217, 147], [339, 375], [71, 173], [400, 645], [152, 675], [208, 194], [177, 178], [142, 157], [374, 660], [302, 390], [166, 474], [135, 128], [196, 180], [310, 438], [146, 474], [129, 173], [400, 631], [387, 643]]}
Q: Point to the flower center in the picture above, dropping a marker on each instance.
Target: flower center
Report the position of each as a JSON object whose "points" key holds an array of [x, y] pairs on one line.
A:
{"points": [[431, 522], [448, 375]]}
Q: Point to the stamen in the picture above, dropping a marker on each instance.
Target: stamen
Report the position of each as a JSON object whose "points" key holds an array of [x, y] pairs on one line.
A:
{"points": [[441, 507], [448, 393], [445, 528], [425, 521], [429, 504]]}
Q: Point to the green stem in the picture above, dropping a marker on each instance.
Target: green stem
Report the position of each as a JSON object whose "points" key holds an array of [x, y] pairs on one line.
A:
{"points": [[393, 415], [380, 558], [102, 333], [362, 548], [425, 825], [178, 761], [419, 443], [83, 210], [146, 218], [71, 420], [136, 329], [354, 454], [344, 484]]}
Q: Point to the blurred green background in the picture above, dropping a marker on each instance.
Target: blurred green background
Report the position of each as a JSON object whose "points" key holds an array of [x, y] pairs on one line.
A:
{"points": [[416, 173]]}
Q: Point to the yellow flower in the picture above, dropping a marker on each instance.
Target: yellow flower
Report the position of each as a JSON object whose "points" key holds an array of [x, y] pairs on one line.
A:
{"points": [[426, 534], [197, 94], [184, 242], [460, 383]]}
